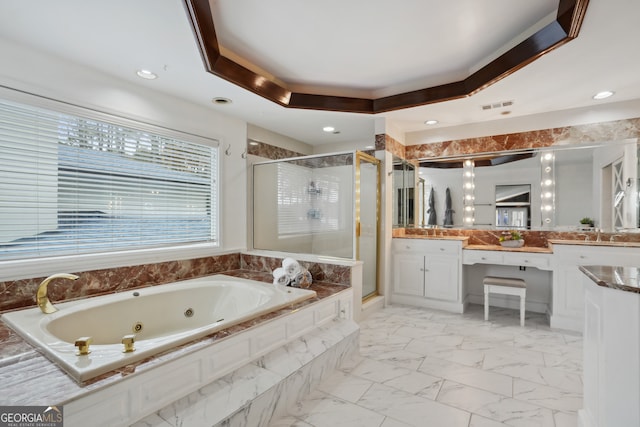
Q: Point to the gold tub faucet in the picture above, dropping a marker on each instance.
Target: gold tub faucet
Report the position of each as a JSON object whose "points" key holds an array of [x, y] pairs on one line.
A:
{"points": [[41, 295]]}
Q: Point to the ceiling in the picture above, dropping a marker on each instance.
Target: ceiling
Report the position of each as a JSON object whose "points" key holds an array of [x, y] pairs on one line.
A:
{"points": [[363, 48]]}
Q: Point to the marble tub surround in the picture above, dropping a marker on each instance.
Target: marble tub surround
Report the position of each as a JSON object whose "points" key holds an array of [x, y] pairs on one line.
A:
{"points": [[21, 293], [324, 272], [23, 368], [262, 390], [620, 278]]}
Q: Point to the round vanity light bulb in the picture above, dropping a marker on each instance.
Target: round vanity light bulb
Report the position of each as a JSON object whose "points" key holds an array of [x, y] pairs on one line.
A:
{"points": [[548, 156], [548, 208], [467, 173], [548, 195], [548, 182], [468, 163]]}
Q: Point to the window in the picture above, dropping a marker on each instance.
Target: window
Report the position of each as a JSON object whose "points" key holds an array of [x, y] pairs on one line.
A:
{"points": [[73, 185]]}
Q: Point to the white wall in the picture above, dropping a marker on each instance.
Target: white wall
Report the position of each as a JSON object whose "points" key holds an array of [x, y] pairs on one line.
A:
{"points": [[602, 112], [47, 76], [272, 138]]}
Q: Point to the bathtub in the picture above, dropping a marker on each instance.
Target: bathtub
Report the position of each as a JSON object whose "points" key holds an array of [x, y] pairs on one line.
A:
{"points": [[160, 317]]}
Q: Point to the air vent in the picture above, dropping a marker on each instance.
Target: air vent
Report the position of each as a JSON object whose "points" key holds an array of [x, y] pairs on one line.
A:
{"points": [[497, 105]]}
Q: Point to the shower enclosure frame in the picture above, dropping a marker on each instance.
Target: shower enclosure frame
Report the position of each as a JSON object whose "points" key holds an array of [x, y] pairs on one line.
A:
{"points": [[358, 158]]}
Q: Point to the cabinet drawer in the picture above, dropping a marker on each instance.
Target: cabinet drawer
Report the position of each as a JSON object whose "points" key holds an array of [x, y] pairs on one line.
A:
{"points": [[426, 245], [527, 260], [470, 257]]}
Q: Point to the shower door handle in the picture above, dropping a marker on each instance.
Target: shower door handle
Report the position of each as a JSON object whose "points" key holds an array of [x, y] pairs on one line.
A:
{"points": [[357, 228]]}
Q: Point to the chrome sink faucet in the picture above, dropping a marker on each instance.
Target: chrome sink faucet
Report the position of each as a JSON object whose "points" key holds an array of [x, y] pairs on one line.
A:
{"points": [[41, 295]]}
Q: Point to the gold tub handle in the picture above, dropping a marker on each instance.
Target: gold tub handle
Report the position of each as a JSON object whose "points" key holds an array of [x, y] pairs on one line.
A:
{"points": [[83, 344], [128, 341]]}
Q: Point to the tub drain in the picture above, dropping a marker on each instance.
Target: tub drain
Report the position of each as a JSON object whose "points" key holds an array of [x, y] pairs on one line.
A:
{"points": [[137, 327], [188, 312]]}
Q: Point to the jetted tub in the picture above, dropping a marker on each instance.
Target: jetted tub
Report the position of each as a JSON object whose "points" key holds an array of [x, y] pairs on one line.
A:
{"points": [[160, 317]]}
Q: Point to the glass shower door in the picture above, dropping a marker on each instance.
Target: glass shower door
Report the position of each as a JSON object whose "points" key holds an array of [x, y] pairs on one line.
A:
{"points": [[367, 220]]}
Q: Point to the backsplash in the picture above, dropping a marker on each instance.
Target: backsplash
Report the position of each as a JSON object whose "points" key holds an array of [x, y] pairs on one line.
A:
{"points": [[338, 274], [21, 293]]}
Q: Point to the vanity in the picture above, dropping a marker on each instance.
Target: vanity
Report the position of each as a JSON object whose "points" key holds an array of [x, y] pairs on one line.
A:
{"points": [[611, 362], [446, 272], [576, 203]]}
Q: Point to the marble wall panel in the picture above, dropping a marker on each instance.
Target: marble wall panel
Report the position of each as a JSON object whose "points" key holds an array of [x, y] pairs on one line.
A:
{"points": [[320, 272], [579, 134], [262, 149], [21, 293]]}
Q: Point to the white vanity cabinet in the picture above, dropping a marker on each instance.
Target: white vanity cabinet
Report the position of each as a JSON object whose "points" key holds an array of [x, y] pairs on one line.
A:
{"points": [[428, 273], [568, 286]]}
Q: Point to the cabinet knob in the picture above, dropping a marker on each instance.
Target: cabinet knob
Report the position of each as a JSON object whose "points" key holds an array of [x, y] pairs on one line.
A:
{"points": [[408, 247], [442, 249], [526, 260], [483, 258]]}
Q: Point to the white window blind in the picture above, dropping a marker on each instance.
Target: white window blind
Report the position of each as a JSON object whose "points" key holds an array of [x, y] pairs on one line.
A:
{"points": [[71, 185]]}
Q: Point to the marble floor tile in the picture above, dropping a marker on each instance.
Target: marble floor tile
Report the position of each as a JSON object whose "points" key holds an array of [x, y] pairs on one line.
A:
{"points": [[478, 421], [390, 422], [345, 386], [548, 397], [411, 409], [474, 377], [402, 358], [422, 367], [322, 410], [552, 377]]}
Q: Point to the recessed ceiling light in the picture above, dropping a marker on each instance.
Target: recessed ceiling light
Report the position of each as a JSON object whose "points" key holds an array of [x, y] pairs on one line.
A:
{"points": [[146, 74], [431, 122], [221, 101], [602, 95], [328, 129]]}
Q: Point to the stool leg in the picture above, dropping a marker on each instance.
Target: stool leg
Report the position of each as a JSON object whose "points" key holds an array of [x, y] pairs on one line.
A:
{"points": [[522, 310], [486, 304]]}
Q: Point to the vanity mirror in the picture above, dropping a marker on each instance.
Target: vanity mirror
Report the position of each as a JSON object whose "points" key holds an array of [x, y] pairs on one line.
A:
{"points": [[404, 193], [546, 188]]}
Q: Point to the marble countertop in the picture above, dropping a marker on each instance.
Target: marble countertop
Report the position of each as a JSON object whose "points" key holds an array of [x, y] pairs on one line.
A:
{"points": [[24, 370], [427, 237], [530, 249], [621, 278], [594, 243]]}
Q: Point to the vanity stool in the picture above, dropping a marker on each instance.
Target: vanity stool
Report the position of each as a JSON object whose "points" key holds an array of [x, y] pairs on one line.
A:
{"points": [[505, 286]]}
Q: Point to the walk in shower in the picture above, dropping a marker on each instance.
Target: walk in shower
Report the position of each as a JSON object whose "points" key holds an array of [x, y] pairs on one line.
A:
{"points": [[322, 205]]}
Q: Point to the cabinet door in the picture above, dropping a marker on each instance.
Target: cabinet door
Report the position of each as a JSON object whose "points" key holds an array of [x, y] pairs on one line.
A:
{"points": [[408, 274], [568, 292], [441, 277]]}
